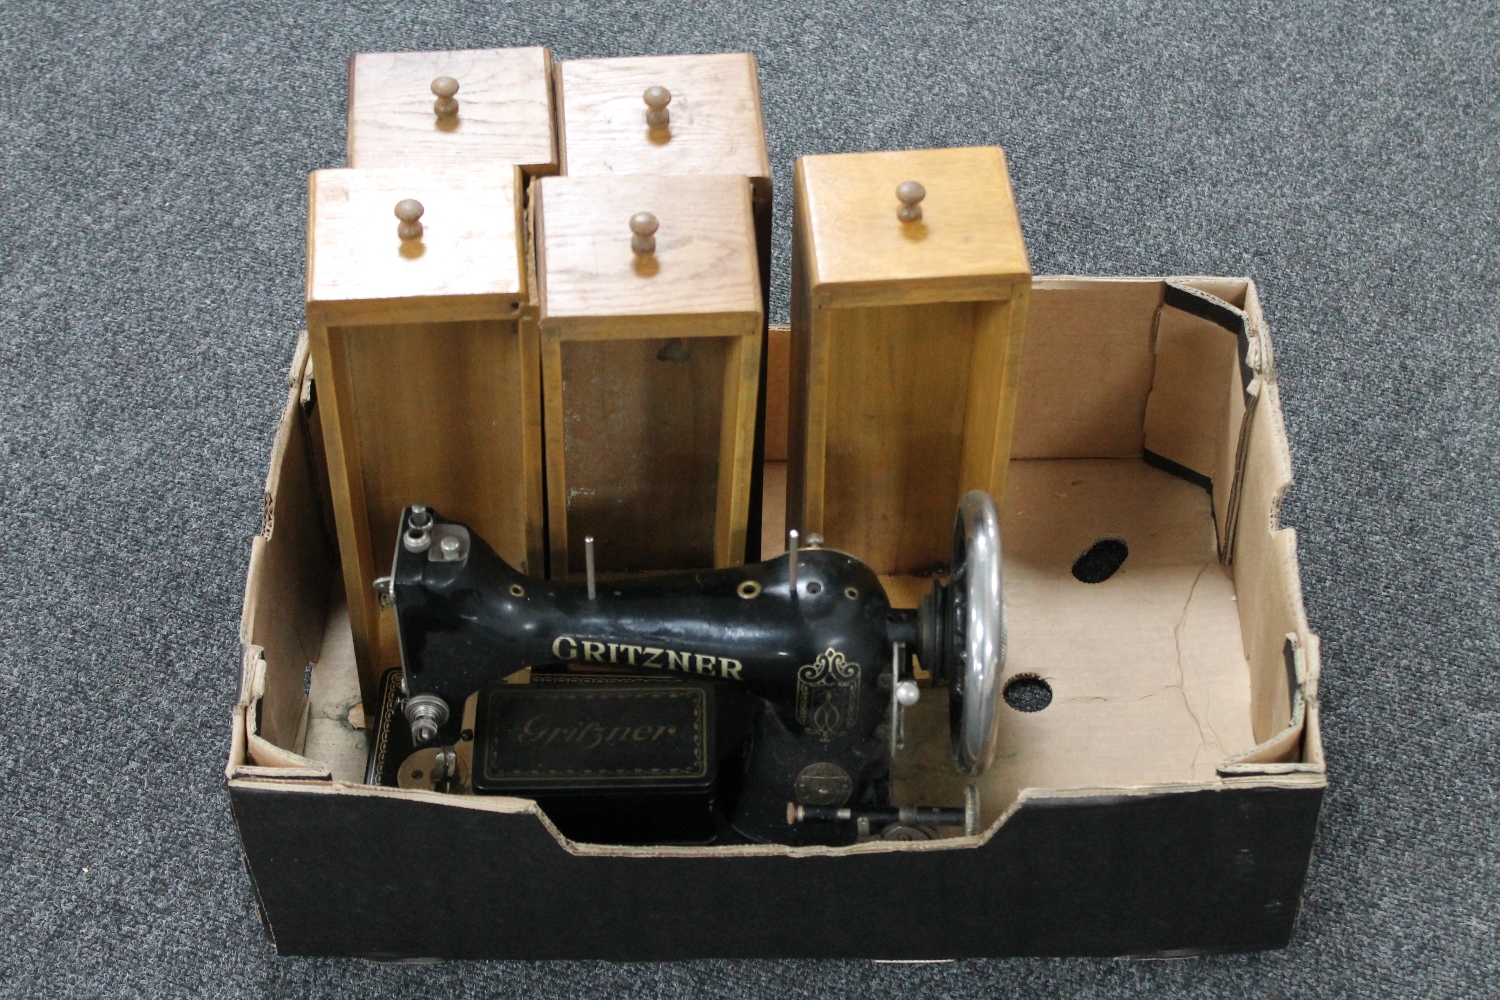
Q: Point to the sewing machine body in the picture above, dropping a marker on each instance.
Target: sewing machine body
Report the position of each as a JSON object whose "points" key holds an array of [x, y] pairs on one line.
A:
{"points": [[796, 679], [799, 667]]}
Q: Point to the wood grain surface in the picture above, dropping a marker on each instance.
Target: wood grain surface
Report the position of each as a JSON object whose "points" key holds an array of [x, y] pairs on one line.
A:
{"points": [[504, 109], [716, 125], [967, 246], [466, 265], [703, 279], [437, 417], [650, 369], [641, 441], [894, 438]]}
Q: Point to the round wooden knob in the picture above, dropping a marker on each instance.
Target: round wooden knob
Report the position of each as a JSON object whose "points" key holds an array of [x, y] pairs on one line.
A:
{"points": [[657, 99], [643, 227], [910, 194], [409, 210], [445, 87]]}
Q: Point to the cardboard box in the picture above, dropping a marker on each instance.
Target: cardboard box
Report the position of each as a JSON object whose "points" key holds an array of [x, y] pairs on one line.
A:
{"points": [[1163, 803]]}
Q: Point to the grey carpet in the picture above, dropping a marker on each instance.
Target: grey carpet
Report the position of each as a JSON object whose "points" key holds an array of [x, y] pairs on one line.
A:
{"points": [[154, 162]]}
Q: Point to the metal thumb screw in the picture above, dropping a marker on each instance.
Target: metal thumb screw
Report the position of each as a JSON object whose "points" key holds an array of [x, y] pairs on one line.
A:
{"points": [[643, 232], [657, 99], [910, 194], [409, 210], [445, 106]]}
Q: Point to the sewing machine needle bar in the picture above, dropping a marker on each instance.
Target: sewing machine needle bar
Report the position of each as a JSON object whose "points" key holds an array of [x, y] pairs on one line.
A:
{"points": [[791, 563], [588, 562]]}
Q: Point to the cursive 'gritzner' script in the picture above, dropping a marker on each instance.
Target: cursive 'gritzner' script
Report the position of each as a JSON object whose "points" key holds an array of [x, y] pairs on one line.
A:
{"points": [[590, 734]]}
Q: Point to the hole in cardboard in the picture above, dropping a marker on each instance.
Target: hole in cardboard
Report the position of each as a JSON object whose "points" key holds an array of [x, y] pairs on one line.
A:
{"points": [[1101, 561], [1028, 693]]}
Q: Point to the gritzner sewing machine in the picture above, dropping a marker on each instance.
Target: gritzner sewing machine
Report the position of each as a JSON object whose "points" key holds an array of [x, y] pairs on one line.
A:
{"points": [[758, 703]]}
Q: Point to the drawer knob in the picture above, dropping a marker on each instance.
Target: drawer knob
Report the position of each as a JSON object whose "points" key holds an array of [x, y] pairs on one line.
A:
{"points": [[445, 106], [657, 99], [409, 210], [910, 194], [643, 232]]}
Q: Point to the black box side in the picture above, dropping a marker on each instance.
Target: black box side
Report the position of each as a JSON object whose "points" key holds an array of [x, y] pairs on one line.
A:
{"points": [[383, 876]]}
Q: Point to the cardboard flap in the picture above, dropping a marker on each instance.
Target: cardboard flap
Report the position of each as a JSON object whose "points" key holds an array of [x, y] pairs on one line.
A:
{"points": [[1169, 871], [1188, 297], [1285, 746], [291, 555], [1312, 734], [1086, 367], [1268, 583], [1203, 394], [1262, 357], [270, 760]]}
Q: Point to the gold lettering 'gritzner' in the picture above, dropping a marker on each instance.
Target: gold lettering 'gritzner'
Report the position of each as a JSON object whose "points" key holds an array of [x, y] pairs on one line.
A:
{"points": [[572, 650]]}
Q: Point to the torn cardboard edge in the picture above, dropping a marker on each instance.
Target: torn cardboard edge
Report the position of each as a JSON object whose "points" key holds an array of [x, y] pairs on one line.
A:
{"points": [[1275, 751], [257, 756], [1195, 374], [1205, 305], [266, 758], [254, 744], [1266, 553]]}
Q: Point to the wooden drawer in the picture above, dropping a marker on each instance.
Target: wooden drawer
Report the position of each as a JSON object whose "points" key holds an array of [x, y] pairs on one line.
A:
{"points": [[906, 339], [426, 372], [650, 369]]}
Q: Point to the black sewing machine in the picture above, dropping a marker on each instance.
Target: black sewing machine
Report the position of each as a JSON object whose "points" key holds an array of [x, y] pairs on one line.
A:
{"points": [[759, 703]]}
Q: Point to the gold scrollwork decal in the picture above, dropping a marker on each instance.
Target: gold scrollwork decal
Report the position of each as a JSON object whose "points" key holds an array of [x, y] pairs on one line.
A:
{"points": [[828, 695]]}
